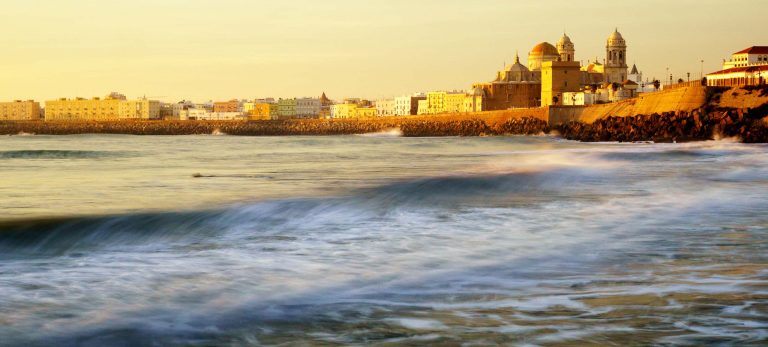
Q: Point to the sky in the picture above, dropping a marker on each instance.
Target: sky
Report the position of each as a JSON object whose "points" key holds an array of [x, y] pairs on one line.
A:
{"points": [[223, 49]]}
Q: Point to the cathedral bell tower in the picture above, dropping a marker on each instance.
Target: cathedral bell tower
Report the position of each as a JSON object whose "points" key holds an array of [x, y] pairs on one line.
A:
{"points": [[566, 48], [616, 58]]}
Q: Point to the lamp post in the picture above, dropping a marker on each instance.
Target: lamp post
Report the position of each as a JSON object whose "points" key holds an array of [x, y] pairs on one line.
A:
{"points": [[702, 68], [689, 77]]}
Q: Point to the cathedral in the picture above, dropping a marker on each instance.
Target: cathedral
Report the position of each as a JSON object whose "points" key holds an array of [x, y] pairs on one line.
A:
{"points": [[519, 86]]}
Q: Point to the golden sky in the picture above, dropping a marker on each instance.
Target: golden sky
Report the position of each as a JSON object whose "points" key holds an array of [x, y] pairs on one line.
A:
{"points": [[223, 49]]}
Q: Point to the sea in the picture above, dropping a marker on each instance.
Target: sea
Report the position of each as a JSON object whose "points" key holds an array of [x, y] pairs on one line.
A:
{"points": [[378, 239]]}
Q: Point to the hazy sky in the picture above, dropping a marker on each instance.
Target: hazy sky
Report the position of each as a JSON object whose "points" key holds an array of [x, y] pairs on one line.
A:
{"points": [[222, 49]]}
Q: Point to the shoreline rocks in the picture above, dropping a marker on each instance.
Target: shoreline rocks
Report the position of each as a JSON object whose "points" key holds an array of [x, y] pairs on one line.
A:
{"points": [[749, 125], [410, 127]]}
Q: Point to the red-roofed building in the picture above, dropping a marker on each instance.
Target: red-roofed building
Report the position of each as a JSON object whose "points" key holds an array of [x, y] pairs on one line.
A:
{"points": [[755, 55], [747, 67], [739, 76]]}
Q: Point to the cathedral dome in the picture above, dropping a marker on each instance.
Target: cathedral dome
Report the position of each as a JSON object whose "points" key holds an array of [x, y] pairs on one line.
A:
{"points": [[477, 91], [516, 66], [540, 53], [616, 39], [565, 40], [544, 48]]}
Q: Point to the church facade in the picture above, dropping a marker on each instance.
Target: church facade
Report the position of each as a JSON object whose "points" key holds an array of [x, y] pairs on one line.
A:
{"points": [[552, 70]]}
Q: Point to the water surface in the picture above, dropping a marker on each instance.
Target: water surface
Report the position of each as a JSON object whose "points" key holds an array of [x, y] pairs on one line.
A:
{"points": [[350, 240]]}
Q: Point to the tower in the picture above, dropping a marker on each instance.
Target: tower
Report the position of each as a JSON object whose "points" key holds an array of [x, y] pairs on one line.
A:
{"points": [[566, 48], [616, 58]]}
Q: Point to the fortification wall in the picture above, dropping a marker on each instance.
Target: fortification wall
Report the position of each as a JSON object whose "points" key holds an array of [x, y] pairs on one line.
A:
{"points": [[681, 99]]}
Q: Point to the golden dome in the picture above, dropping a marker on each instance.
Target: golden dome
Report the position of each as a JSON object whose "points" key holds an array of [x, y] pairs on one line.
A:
{"points": [[544, 48]]}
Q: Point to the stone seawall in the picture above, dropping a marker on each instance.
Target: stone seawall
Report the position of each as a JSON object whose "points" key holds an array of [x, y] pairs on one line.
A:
{"points": [[737, 112], [682, 99], [529, 121], [748, 125]]}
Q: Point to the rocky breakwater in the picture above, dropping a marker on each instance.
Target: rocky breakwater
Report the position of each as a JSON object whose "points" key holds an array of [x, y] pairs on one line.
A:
{"points": [[473, 127], [449, 125], [706, 123]]}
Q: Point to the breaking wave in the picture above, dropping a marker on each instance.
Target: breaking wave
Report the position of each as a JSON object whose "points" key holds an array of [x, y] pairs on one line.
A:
{"points": [[394, 132], [66, 235]]}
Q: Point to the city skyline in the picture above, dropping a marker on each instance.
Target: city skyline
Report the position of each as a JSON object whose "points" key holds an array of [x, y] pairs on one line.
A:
{"points": [[204, 50]]}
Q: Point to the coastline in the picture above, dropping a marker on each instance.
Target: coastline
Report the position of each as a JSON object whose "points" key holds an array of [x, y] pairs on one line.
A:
{"points": [[691, 114]]}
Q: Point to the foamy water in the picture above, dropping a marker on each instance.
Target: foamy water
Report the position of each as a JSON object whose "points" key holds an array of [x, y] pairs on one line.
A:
{"points": [[364, 240]]}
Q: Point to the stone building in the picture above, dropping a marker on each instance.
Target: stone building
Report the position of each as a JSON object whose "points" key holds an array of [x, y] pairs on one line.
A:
{"points": [[566, 48], [616, 58], [20, 110], [521, 86], [514, 87], [558, 77]]}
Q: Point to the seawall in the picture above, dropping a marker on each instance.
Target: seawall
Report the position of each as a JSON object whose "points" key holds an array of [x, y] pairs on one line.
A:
{"points": [[679, 99], [737, 112], [510, 122]]}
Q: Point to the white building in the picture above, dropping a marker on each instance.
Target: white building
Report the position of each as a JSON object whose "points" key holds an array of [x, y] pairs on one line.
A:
{"points": [[746, 67], [584, 98], [203, 114], [385, 107], [408, 105], [755, 55], [308, 107]]}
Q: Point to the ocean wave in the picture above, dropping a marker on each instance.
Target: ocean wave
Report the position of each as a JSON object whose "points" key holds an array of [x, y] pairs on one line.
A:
{"points": [[68, 235], [57, 154], [394, 132]]}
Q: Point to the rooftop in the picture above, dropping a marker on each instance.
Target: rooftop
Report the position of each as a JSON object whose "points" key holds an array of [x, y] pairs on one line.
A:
{"points": [[754, 50], [755, 68]]}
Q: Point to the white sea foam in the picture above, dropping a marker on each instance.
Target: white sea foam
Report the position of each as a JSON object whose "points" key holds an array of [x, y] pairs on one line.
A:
{"points": [[518, 232], [393, 132]]}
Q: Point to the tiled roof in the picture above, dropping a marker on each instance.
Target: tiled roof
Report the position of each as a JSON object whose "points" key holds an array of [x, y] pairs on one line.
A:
{"points": [[741, 69], [754, 50]]}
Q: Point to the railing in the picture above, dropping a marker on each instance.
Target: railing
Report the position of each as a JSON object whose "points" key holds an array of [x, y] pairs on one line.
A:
{"points": [[682, 85]]}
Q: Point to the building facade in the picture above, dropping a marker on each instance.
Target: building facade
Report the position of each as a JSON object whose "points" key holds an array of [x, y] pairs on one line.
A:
{"points": [[408, 105], [308, 107], [558, 77], [228, 106], [345, 110], [616, 58], [20, 110], [385, 107], [112, 107], [514, 87], [746, 67], [286, 108], [203, 114], [755, 55], [263, 111], [365, 112]]}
